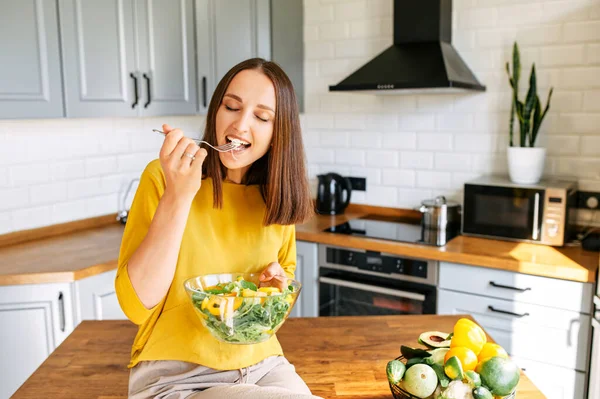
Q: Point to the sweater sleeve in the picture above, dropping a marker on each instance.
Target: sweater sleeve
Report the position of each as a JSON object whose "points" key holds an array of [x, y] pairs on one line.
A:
{"points": [[287, 253], [143, 208]]}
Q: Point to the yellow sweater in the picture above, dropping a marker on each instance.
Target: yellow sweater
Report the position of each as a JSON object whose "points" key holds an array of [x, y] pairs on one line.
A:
{"points": [[231, 239]]}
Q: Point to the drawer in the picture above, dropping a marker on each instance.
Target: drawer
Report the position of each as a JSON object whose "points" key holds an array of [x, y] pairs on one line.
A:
{"points": [[562, 294], [554, 382], [552, 336]]}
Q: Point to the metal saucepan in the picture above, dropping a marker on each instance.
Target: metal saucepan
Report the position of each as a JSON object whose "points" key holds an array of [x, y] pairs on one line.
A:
{"points": [[440, 214]]}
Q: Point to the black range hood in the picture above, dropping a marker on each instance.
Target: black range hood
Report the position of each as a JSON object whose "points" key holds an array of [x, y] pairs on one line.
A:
{"points": [[422, 57]]}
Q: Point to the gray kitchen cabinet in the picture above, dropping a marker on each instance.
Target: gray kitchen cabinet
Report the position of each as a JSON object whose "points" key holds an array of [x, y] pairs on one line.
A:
{"points": [[30, 76], [128, 58], [99, 60], [166, 57], [307, 263], [96, 299], [35, 319], [228, 32], [526, 315]]}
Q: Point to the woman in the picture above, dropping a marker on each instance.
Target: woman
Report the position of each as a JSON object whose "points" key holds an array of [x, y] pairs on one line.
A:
{"points": [[198, 212]]}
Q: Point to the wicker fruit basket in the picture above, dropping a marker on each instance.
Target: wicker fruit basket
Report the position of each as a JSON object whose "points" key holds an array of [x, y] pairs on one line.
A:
{"points": [[400, 393]]}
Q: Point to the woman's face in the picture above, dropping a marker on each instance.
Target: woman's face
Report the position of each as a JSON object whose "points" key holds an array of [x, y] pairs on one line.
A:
{"points": [[246, 113]]}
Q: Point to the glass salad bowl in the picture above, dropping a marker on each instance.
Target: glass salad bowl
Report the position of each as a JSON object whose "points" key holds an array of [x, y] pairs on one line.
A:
{"points": [[236, 310]]}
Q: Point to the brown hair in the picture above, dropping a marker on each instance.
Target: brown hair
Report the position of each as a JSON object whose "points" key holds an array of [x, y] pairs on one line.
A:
{"points": [[281, 172]]}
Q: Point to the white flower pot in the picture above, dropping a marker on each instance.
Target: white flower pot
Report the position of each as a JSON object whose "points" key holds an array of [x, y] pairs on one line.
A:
{"points": [[526, 164]]}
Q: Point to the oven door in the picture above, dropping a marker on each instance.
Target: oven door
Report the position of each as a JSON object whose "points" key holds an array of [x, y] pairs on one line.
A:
{"points": [[506, 212], [344, 293]]}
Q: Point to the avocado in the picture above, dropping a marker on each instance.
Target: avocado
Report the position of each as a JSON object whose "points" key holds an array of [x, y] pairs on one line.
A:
{"points": [[435, 339], [409, 353]]}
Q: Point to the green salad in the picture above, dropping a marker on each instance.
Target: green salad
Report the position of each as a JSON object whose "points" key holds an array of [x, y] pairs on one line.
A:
{"points": [[240, 312]]}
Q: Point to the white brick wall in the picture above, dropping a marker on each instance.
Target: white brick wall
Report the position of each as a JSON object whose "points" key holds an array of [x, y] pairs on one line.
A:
{"points": [[60, 170], [417, 146], [409, 147]]}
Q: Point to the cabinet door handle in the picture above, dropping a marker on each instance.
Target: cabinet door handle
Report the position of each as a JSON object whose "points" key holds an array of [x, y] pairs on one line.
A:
{"points": [[204, 91], [61, 311], [508, 287], [135, 90], [493, 309], [149, 92]]}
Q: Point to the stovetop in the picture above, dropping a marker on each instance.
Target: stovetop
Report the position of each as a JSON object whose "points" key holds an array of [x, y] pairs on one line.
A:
{"points": [[394, 231]]}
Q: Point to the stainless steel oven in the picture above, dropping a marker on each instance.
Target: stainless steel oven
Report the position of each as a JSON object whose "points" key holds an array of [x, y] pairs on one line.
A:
{"points": [[355, 282], [540, 213]]}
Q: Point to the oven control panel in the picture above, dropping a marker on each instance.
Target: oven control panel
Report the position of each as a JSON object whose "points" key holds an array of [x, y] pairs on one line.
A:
{"points": [[377, 262]]}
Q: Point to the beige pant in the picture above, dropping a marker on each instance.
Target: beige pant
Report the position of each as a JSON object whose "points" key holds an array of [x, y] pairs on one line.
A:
{"points": [[273, 378]]}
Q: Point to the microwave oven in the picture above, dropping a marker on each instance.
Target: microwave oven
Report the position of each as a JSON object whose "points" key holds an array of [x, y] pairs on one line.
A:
{"points": [[541, 213]]}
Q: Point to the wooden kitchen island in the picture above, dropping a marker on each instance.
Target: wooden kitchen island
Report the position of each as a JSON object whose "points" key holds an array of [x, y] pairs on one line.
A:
{"points": [[338, 357]]}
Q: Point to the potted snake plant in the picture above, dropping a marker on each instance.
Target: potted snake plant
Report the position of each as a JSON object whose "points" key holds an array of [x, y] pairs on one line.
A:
{"points": [[525, 161]]}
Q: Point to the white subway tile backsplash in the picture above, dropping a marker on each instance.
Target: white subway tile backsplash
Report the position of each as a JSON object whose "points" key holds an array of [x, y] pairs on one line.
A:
{"points": [[28, 218], [434, 141], [334, 139], [14, 198], [591, 100], [417, 122], [373, 175], [382, 159], [579, 123], [581, 31], [365, 140], [29, 174], [100, 166], [475, 142], [48, 193], [400, 178], [416, 160], [334, 31], [400, 140], [67, 211], [382, 196], [5, 223], [562, 145], [433, 180], [4, 178], [318, 14], [592, 52], [590, 146], [350, 121], [320, 156], [409, 146], [102, 205], [452, 162], [580, 78], [410, 198]]}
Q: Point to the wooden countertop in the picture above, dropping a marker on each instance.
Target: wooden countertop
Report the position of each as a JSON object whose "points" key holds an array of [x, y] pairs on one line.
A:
{"points": [[338, 357], [88, 251]]}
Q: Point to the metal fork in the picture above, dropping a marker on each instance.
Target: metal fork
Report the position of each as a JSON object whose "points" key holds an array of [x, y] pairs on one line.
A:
{"points": [[221, 148]]}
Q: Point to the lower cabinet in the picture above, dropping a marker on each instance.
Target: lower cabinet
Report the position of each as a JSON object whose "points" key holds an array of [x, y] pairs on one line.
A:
{"points": [[307, 272], [35, 319], [96, 298], [551, 344]]}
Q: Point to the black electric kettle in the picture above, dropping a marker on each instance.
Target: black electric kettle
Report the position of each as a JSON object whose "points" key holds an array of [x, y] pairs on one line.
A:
{"points": [[330, 194]]}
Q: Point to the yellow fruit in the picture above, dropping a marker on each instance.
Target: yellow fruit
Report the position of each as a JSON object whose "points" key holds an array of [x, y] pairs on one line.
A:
{"points": [[204, 303], [248, 293], [468, 334], [491, 350], [269, 290], [468, 358]]}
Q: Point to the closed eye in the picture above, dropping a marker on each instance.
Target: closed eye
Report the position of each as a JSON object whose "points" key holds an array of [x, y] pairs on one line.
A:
{"points": [[230, 109], [264, 120]]}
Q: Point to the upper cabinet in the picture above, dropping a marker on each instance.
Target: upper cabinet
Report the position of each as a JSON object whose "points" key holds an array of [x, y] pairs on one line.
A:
{"points": [[128, 57], [99, 60], [30, 79], [119, 58], [228, 32]]}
